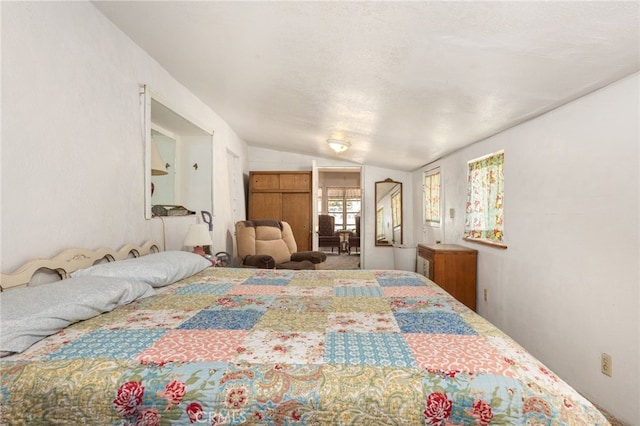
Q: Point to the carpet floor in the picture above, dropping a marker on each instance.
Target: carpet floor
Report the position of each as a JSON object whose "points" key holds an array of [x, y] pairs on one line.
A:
{"points": [[341, 261], [612, 419]]}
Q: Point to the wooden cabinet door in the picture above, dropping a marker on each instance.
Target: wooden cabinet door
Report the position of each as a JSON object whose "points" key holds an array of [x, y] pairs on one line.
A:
{"points": [[456, 273], [453, 268], [284, 196], [296, 208], [461, 271], [265, 205], [295, 181], [259, 181]]}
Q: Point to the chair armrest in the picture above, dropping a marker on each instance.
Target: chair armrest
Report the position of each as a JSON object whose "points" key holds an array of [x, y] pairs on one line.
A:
{"points": [[314, 256], [262, 261]]}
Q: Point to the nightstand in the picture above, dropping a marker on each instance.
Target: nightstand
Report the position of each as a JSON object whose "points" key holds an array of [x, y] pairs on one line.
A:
{"points": [[453, 268]]}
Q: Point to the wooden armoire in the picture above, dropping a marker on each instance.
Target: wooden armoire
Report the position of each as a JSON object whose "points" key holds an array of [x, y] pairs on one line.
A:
{"points": [[283, 196]]}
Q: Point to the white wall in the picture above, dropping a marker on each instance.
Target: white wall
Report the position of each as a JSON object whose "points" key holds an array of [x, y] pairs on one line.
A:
{"points": [[72, 146], [567, 286], [372, 257], [194, 185]]}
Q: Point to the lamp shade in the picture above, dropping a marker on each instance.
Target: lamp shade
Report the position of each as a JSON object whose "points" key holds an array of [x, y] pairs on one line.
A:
{"points": [[157, 163], [198, 235], [338, 146]]}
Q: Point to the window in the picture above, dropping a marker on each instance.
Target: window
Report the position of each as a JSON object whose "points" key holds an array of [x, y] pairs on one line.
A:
{"points": [[396, 210], [344, 204], [485, 196], [380, 223], [432, 197]]}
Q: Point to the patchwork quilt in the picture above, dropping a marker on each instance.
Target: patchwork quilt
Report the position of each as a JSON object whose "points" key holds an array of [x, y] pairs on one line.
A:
{"points": [[276, 347]]}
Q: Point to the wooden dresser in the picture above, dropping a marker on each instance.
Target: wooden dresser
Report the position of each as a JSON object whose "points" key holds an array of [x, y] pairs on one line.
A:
{"points": [[453, 268], [283, 196]]}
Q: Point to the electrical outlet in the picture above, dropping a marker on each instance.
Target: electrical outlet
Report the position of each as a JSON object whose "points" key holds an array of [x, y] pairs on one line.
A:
{"points": [[485, 294], [605, 364]]}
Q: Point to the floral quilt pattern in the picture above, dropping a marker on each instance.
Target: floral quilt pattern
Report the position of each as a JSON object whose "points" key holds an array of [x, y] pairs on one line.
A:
{"points": [[268, 347]]}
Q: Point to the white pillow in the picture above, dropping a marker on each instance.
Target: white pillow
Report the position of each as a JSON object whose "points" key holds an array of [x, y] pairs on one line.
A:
{"points": [[30, 314], [157, 269]]}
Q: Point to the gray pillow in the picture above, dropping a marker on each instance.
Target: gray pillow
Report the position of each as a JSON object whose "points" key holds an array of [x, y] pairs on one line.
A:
{"points": [[30, 314], [157, 269]]}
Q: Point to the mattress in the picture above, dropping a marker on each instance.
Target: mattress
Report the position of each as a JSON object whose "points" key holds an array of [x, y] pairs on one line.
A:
{"points": [[277, 347]]}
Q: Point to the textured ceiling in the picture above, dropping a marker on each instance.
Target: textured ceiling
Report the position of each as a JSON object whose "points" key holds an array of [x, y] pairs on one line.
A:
{"points": [[404, 82]]}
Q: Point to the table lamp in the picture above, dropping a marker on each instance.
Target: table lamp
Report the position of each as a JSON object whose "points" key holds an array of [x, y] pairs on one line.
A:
{"points": [[198, 236]]}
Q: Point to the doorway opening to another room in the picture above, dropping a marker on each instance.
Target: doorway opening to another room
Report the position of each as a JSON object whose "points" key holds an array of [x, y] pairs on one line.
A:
{"points": [[339, 206]]}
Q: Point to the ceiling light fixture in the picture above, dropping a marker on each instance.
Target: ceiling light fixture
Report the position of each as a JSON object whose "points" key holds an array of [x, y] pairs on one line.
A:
{"points": [[338, 146]]}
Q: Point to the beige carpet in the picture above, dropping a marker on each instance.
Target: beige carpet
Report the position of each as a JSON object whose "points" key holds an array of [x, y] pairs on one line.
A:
{"points": [[341, 261], [612, 419]]}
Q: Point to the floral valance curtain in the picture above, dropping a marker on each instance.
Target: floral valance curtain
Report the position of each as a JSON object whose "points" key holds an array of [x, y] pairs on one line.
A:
{"points": [[347, 193], [484, 214]]}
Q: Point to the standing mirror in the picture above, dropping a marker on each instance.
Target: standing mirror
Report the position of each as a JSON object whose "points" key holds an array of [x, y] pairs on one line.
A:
{"points": [[388, 213]]}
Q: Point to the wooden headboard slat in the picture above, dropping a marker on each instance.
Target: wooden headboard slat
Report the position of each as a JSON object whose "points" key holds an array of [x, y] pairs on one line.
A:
{"points": [[71, 260]]}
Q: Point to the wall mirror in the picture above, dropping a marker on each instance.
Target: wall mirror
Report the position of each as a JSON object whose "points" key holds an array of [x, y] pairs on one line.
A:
{"points": [[178, 159], [388, 213]]}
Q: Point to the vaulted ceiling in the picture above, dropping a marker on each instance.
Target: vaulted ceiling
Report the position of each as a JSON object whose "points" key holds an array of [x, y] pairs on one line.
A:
{"points": [[404, 82]]}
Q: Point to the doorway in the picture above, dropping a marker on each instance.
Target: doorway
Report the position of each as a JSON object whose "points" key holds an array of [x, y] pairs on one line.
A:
{"points": [[339, 194]]}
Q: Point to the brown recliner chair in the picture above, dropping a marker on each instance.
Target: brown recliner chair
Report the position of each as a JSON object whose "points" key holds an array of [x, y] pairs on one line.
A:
{"points": [[327, 235], [269, 244]]}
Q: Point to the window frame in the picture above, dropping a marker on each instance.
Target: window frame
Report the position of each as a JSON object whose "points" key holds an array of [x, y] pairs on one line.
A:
{"points": [[345, 201], [380, 223], [396, 210], [427, 199], [498, 219]]}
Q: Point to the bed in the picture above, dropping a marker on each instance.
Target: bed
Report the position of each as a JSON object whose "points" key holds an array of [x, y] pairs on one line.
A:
{"points": [[266, 347]]}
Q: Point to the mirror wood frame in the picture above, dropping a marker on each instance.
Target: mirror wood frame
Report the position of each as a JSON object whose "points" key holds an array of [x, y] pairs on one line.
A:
{"points": [[382, 189]]}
